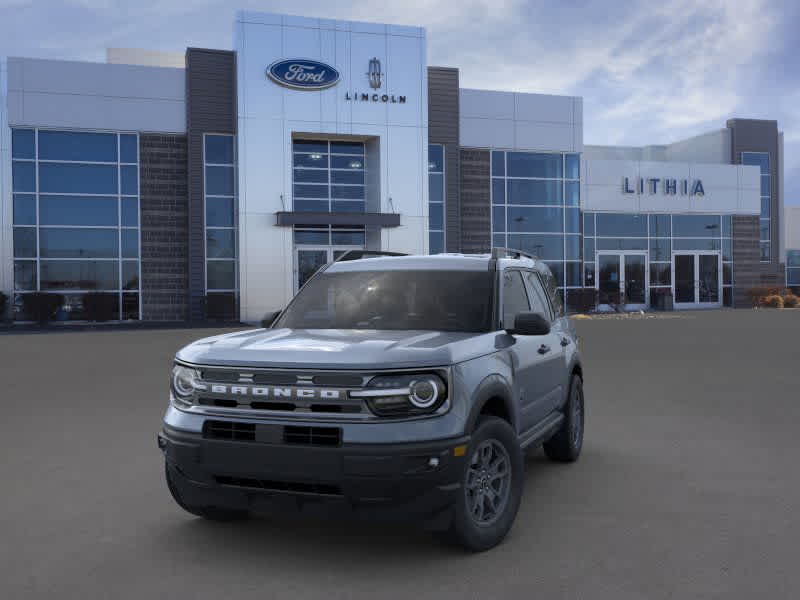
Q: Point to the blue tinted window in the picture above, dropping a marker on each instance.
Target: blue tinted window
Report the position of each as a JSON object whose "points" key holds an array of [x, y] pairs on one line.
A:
{"points": [[572, 190], [320, 161], [221, 274], [80, 146], [348, 238], [436, 216], [310, 191], [310, 146], [128, 149], [764, 229], [499, 240], [220, 243], [544, 220], [24, 275], [78, 243], [529, 164], [130, 275], [340, 162], [25, 242], [130, 212], [765, 207], [23, 143], [129, 184], [695, 244], [498, 218], [130, 243], [347, 148], [498, 163], [696, 225], [312, 175], [219, 149], [526, 191], [498, 191], [23, 176], [219, 212], [588, 249], [130, 306], [727, 249], [79, 275], [572, 220], [219, 181], [627, 225], [347, 192], [557, 269], [588, 224], [621, 244], [572, 245], [759, 159], [435, 158], [77, 179], [348, 206], [24, 209], [436, 188], [660, 249], [573, 274], [436, 242], [356, 177], [793, 258], [660, 226], [312, 237], [727, 226], [573, 166], [311, 205], [547, 247], [77, 210], [766, 251]]}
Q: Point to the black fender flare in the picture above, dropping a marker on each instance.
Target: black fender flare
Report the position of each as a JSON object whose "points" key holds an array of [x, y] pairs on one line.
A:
{"points": [[492, 386]]}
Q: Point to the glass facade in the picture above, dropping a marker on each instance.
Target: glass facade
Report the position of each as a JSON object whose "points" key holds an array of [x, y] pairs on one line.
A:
{"points": [[793, 268], [761, 160], [328, 176], [76, 219], [435, 198], [536, 209], [219, 158]]}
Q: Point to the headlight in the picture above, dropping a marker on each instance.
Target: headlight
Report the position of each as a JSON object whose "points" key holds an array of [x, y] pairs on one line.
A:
{"points": [[404, 394], [183, 384]]}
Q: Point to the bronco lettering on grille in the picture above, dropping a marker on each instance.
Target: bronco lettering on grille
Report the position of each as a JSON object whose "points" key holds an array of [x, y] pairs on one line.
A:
{"points": [[273, 392]]}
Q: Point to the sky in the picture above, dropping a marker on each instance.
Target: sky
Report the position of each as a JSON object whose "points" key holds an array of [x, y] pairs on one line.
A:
{"points": [[650, 72]]}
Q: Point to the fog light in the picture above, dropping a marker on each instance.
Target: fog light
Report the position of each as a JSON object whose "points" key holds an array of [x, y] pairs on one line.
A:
{"points": [[433, 462]]}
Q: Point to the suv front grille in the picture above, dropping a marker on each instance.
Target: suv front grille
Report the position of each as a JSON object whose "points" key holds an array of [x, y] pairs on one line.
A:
{"points": [[312, 436], [229, 430], [272, 434]]}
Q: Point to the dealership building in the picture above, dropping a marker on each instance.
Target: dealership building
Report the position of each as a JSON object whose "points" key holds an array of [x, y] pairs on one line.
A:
{"points": [[213, 183]]}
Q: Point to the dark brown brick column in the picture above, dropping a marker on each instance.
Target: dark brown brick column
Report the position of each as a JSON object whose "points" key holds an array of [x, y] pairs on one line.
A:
{"points": [[165, 227], [476, 215], [746, 254]]}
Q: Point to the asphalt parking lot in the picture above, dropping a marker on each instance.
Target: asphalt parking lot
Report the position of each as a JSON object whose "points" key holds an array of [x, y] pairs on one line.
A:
{"points": [[688, 486]]}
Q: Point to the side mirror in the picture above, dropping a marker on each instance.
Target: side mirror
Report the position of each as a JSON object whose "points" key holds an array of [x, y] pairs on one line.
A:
{"points": [[269, 319], [530, 323]]}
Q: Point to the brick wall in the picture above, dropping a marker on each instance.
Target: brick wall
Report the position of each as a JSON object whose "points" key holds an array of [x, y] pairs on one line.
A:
{"points": [[476, 216], [746, 266], [165, 231]]}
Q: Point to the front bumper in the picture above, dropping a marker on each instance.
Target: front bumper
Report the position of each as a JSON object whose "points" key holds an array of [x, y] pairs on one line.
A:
{"points": [[405, 480]]}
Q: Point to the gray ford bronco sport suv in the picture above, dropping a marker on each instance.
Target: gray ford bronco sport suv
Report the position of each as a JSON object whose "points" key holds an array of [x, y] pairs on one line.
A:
{"points": [[390, 385]]}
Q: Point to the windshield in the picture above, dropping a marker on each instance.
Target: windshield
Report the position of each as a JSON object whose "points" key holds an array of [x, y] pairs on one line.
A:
{"points": [[430, 300]]}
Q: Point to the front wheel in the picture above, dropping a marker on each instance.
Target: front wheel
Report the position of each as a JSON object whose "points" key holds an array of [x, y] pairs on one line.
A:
{"points": [[566, 444], [491, 487]]}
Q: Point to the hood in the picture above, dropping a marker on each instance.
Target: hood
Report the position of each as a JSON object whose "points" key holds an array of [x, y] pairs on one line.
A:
{"points": [[337, 349]]}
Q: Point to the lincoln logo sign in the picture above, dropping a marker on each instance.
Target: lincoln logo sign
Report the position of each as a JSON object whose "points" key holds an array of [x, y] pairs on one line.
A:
{"points": [[302, 74], [669, 187]]}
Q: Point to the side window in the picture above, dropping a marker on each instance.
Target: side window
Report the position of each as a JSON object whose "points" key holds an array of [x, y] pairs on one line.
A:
{"points": [[552, 292], [537, 295], [515, 299]]}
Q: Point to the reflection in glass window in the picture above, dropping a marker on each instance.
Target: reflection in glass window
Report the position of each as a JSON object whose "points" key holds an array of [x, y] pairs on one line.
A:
{"points": [[762, 160], [220, 211], [436, 198], [325, 173], [78, 146]]}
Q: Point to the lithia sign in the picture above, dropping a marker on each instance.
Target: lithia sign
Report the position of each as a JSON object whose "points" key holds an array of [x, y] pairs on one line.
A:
{"points": [[667, 186], [306, 74]]}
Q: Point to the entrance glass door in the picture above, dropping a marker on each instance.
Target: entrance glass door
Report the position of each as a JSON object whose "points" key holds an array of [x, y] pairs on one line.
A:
{"points": [[622, 279], [697, 279]]}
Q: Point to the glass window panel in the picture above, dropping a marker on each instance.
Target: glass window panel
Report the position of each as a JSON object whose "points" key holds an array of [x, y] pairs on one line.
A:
{"points": [[660, 226], [25, 275], [572, 245], [311, 175], [588, 274], [219, 181], [348, 238], [57, 242], [727, 273], [348, 206], [528, 191], [765, 185], [573, 166], [573, 274], [310, 146], [77, 210], [435, 158], [727, 249], [621, 243], [129, 180], [623, 225], [572, 190], [515, 298], [130, 212], [347, 148], [310, 191], [727, 297], [766, 251], [312, 237], [546, 247], [130, 243], [24, 209], [763, 229], [77, 179], [588, 249], [219, 149], [499, 240], [23, 143], [765, 207], [25, 242], [311, 205], [358, 177], [436, 216], [498, 218], [221, 274], [219, 212], [661, 274], [346, 162], [572, 220], [128, 148], [498, 163], [557, 269], [498, 191], [436, 242], [538, 220], [532, 164], [347, 192], [793, 277], [130, 274], [79, 275], [727, 226], [316, 161], [436, 187], [23, 176], [695, 244], [759, 159], [660, 249], [77, 145], [793, 258], [220, 243], [130, 307], [588, 224]]}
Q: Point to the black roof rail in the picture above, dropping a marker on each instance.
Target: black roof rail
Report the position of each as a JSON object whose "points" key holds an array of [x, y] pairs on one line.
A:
{"points": [[358, 254], [500, 252]]}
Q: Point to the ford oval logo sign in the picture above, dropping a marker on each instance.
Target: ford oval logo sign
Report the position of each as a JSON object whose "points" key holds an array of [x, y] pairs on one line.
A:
{"points": [[303, 74]]}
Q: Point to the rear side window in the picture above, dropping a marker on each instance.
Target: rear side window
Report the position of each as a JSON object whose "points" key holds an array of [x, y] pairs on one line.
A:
{"points": [[515, 299], [537, 295]]}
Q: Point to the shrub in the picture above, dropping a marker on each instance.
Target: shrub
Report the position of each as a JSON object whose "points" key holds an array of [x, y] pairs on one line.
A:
{"points": [[773, 301], [790, 301], [99, 306], [41, 306], [3, 306]]}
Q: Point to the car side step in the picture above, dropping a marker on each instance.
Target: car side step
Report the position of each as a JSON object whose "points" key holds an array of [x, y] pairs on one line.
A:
{"points": [[542, 431]]}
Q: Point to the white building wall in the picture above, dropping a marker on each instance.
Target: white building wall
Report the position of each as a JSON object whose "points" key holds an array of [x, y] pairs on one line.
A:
{"points": [[791, 228], [519, 121], [82, 95], [146, 58], [713, 147], [6, 205], [269, 115]]}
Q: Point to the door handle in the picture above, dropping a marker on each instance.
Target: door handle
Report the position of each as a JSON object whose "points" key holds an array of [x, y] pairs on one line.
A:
{"points": [[565, 341], [543, 349]]}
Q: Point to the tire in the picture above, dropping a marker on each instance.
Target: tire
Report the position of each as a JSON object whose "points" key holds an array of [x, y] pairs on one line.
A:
{"points": [[566, 444], [482, 518], [212, 513]]}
